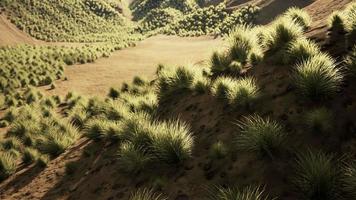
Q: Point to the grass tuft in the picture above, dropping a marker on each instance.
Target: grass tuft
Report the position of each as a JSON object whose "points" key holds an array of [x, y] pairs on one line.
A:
{"points": [[262, 136]]}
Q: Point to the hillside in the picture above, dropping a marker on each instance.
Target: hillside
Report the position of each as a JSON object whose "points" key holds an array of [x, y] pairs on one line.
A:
{"points": [[262, 111]]}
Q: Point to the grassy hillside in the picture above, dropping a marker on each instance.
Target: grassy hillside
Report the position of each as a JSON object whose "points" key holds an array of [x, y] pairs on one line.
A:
{"points": [[69, 20]]}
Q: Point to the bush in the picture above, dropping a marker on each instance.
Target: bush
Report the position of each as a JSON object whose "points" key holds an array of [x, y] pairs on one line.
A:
{"points": [[319, 120], [263, 136], [317, 177], [146, 194], [43, 160], [318, 78], [95, 129], [133, 159], [173, 142], [247, 193], [222, 87]]}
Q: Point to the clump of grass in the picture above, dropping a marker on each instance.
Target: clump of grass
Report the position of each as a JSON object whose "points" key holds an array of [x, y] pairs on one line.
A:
{"points": [[336, 23], [222, 87], [319, 120], [244, 93], [8, 164], [351, 62], [349, 180], [146, 194], [71, 167], [247, 193], [95, 129], [299, 50], [299, 16], [12, 143], [43, 160], [4, 123], [317, 176], [30, 155], [281, 34], [173, 142], [133, 159], [262, 136], [114, 93], [218, 150], [238, 92], [318, 78]]}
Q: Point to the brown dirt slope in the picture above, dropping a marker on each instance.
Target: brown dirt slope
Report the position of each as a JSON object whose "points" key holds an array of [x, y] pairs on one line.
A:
{"points": [[98, 176]]}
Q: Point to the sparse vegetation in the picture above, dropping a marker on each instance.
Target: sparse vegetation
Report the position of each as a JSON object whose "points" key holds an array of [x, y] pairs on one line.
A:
{"points": [[247, 193]]}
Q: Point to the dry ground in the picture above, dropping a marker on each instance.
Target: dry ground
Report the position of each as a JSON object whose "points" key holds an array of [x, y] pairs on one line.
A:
{"points": [[96, 78]]}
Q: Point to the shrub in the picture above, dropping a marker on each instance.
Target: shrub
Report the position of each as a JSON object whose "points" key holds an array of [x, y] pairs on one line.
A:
{"points": [[173, 142], [262, 136], [146, 194], [317, 177], [8, 164], [133, 159], [318, 77], [30, 155], [218, 150], [220, 62], [247, 193], [319, 120], [299, 50], [299, 16]]}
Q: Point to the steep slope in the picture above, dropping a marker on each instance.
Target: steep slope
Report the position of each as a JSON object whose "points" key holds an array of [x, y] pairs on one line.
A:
{"points": [[98, 174]]}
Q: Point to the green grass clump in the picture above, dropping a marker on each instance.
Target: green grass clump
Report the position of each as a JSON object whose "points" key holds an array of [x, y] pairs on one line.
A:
{"points": [[173, 142], [173, 79], [146, 194], [280, 34], [317, 176], [4, 123], [351, 62], [133, 159], [265, 137], [319, 120], [318, 77], [247, 193], [8, 164], [114, 93], [299, 50], [218, 150], [336, 23], [30, 155], [71, 167], [237, 92], [299, 16]]}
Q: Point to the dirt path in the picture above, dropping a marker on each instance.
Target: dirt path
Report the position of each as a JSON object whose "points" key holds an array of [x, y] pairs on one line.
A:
{"points": [[142, 60]]}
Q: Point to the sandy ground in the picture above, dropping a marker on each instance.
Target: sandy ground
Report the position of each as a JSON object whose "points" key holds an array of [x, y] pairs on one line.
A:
{"points": [[142, 60]]}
